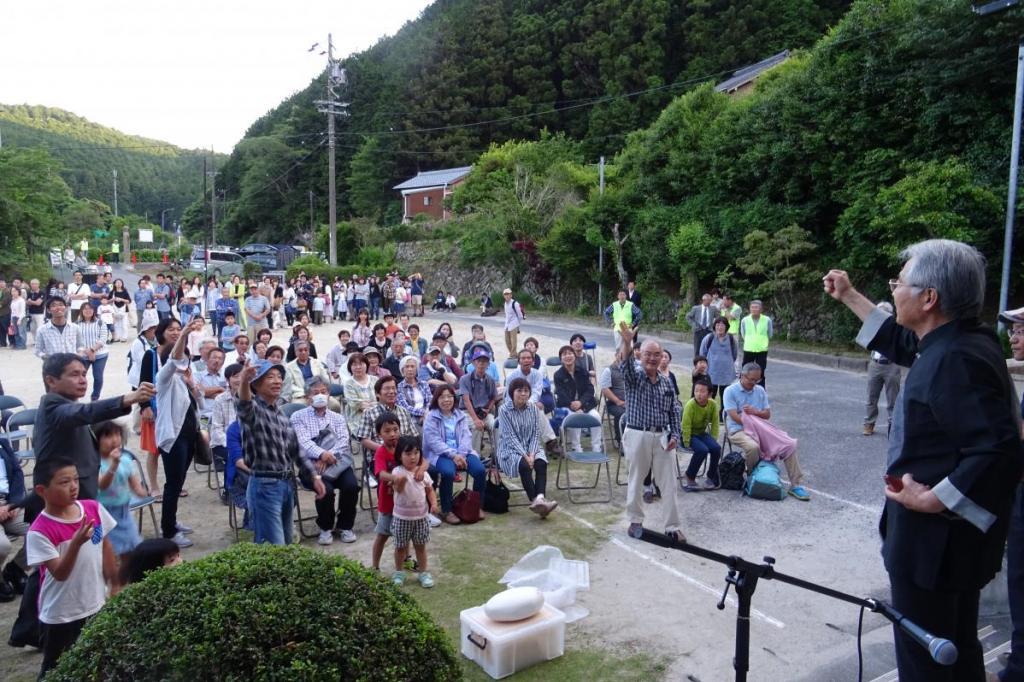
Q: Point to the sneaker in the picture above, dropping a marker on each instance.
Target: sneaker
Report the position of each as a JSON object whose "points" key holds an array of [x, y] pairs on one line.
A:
{"points": [[373, 482], [869, 429], [398, 578], [426, 580], [800, 493], [691, 486], [325, 538], [183, 529], [648, 494], [452, 519], [348, 536], [711, 485], [181, 541], [433, 521], [636, 530]]}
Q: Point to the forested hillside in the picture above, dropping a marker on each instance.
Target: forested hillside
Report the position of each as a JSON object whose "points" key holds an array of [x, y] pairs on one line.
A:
{"points": [[469, 73], [152, 175]]}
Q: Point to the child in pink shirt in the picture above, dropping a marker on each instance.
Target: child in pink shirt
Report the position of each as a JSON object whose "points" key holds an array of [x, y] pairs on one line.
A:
{"points": [[413, 500], [69, 543]]}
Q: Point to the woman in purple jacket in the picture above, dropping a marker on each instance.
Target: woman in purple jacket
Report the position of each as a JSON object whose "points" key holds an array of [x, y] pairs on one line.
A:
{"points": [[448, 446]]}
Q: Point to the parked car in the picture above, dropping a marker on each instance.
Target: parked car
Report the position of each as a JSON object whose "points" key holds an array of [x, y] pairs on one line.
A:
{"points": [[269, 256], [222, 262]]}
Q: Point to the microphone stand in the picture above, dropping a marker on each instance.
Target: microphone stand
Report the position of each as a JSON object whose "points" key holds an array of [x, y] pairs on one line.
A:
{"points": [[743, 577]]}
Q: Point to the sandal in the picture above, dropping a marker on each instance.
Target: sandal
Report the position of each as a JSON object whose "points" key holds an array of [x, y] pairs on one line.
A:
{"points": [[451, 518], [183, 493], [676, 536]]}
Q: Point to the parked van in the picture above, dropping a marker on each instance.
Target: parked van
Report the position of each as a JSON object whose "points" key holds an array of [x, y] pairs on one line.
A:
{"points": [[223, 263]]}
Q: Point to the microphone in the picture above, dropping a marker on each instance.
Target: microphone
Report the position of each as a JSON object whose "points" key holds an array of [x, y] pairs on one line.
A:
{"points": [[941, 650]]}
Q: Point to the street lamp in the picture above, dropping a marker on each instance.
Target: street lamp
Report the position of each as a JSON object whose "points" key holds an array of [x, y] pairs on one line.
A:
{"points": [[162, 217]]}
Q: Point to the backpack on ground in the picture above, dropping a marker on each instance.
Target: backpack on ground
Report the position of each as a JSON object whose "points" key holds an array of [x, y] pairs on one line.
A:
{"points": [[765, 483], [731, 470]]}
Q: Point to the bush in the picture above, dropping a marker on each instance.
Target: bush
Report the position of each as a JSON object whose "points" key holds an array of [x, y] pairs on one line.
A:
{"points": [[261, 612]]}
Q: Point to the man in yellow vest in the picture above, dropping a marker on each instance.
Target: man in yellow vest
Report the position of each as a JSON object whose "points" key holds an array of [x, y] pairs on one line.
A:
{"points": [[115, 252], [755, 331], [622, 311], [732, 312]]}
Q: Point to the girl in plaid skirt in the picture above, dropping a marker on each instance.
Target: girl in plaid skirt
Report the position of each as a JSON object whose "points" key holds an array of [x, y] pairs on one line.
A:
{"points": [[413, 499]]}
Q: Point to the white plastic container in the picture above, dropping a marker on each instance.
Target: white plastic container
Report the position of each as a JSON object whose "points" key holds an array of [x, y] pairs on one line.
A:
{"points": [[505, 648]]}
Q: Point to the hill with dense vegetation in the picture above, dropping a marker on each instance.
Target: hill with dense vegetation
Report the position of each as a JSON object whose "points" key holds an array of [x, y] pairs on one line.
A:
{"points": [[469, 73], [152, 175]]}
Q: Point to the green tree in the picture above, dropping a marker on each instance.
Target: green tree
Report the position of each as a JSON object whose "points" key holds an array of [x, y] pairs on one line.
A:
{"points": [[32, 194], [780, 267]]}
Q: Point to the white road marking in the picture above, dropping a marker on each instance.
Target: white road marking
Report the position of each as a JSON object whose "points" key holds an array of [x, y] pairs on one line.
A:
{"points": [[668, 569], [863, 507]]}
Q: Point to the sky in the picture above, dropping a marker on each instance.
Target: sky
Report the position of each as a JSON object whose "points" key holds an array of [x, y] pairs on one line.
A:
{"points": [[193, 73]]}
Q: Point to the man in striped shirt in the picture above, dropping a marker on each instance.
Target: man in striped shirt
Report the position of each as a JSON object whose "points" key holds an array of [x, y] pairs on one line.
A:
{"points": [[653, 420], [57, 335], [271, 449]]}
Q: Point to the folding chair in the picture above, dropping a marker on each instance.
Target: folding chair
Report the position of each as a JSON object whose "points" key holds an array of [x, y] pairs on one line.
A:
{"points": [[578, 420], [336, 390], [622, 452], [291, 408], [297, 488], [553, 362], [365, 476], [233, 518], [8, 403], [507, 366], [19, 428], [137, 504]]}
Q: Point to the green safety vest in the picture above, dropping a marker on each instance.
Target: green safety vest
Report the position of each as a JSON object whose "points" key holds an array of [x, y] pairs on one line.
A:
{"points": [[622, 313], [115, 247], [755, 334], [734, 323]]}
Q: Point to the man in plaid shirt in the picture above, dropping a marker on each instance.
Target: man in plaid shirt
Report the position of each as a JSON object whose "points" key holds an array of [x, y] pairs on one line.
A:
{"points": [[271, 449], [653, 420], [57, 335]]}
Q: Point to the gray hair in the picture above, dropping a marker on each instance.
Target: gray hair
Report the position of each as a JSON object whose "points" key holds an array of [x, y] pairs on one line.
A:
{"points": [[750, 367], [314, 383], [756, 301], [955, 270], [300, 342]]}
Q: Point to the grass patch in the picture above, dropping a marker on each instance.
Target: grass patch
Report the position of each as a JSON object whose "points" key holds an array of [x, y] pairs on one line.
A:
{"points": [[475, 557]]}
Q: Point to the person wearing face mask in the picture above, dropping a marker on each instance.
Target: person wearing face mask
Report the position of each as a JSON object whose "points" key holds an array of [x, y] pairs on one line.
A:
{"points": [[323, 438]]}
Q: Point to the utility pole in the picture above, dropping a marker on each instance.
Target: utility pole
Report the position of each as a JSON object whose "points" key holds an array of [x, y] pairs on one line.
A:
{"points": [[1011, 194], [332, 107], [312, 232], [600, 248], [213, 200], [115, 192]]}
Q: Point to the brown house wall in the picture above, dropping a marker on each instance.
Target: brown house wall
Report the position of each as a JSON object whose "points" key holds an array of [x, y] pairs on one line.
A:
{"points": [[414, 203]]}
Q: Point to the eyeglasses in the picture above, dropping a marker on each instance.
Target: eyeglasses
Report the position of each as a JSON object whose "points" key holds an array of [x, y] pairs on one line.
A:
{"points": [[895, 284], [1014, 333]]}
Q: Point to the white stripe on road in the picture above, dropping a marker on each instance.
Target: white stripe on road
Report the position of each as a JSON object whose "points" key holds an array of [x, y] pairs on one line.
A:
{"points": [[857, 505], [668, 569]]}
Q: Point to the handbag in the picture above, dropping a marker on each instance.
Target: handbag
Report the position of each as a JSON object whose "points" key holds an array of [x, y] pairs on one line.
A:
{"points": [[495, 493], [201, 452], [466, 506]]}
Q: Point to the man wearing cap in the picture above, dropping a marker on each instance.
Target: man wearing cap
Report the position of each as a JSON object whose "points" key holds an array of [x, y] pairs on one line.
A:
{"points": [[954, 457], [440, 342], [257, 309], [324, 440], [882, 373], [479, 393], [513, 320], [434, 371], [57, 335], [1014, 669], [479, 338], [300, 371]]}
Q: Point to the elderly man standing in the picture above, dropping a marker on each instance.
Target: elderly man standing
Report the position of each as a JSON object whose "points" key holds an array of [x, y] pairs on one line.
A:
{"points": [[653, 420], [271, 449], [954, 449], [882, 373], [756, 331], [700, 318], [324, 441], [257, 310]]}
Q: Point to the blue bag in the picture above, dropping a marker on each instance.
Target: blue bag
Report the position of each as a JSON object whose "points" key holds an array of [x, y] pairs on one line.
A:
{"points": [[765, 483]]}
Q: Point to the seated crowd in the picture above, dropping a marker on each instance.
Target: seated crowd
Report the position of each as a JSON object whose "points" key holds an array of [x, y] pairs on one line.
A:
{"points": [[384, 408]]}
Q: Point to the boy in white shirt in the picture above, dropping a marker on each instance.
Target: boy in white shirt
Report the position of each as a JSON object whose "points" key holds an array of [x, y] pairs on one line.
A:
{"points": [[68, 541]]}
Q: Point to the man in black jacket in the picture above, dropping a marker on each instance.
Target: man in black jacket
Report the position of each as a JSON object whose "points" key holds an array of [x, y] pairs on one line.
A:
{"points": [[575, 392], [954, 449]]}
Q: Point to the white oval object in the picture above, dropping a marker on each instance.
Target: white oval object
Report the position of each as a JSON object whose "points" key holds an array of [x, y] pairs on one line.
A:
{"points": [[515, 603]]}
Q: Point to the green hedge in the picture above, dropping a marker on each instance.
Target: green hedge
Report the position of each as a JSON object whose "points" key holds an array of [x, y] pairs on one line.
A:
{"points": [[256, 612]]}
